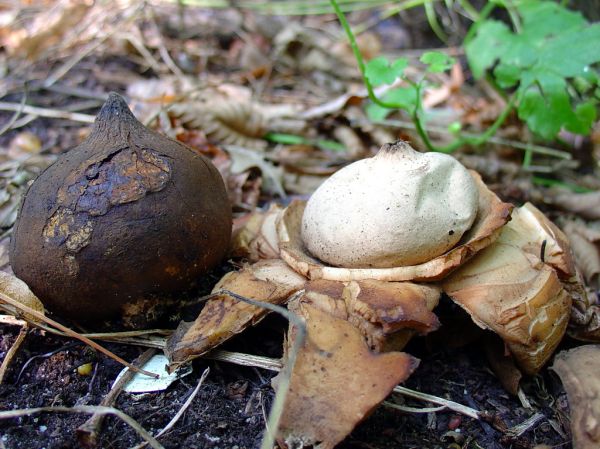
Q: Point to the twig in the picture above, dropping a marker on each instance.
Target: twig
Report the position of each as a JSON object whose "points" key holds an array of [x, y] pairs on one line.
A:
{"points": [[141, 48], [15, 116], [71, 333], [408, 409], [451, 405], [45, 112], [245, 359], [181, 411], [13, 351], [95, 409], [87, 433], [526, 425], [73, 60]]}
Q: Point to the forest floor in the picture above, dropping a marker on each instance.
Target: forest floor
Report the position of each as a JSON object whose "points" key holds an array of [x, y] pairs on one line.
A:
{"points": [[240, 78]]}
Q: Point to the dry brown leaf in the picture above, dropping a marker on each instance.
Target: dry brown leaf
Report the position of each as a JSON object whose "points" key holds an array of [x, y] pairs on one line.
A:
{"points": [[492, 215], [530, 230], [390, 313], [585, 313], [225, 120], [18, 290], [387, 314], [257, 238], [586, 254], [49, 28], [508, 289], [222, 317], [578, 370], [586, 205], [336, 381]]}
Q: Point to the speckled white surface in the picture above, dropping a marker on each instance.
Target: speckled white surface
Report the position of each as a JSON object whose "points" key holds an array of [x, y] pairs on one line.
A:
{"points": [[398, 208]]}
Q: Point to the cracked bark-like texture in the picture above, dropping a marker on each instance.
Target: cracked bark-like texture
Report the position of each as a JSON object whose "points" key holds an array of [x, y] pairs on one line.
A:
{"points": [[127, 216]]}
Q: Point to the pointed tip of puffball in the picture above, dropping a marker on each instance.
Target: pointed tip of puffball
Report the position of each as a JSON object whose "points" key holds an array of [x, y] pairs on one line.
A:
{"points": [[114, 107], [397, 147]]}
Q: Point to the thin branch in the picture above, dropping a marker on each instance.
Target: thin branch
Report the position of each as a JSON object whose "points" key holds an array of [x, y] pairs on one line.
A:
{"points": [[408, 409], [96, 409], [88, 432], [13, 351], [182, 410], [454, 406], [45, 112]]}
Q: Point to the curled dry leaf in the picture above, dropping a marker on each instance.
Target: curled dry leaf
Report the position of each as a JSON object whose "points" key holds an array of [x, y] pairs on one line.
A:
{"points": [[225, 120], [222, 317], [530, 230], [18, 290], [228, 119], [586, 205], [336, 380], [578, 370], [586, 253], [491, 216], [387, 314], [510, 290], [256, 238]]}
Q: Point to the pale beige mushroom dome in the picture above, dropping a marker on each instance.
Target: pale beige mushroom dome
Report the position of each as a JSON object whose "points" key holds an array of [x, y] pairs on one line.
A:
{"points": [[398, 208]]}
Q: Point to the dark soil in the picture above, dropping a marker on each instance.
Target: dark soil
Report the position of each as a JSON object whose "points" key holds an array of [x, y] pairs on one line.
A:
{"points": [[229, 410]]}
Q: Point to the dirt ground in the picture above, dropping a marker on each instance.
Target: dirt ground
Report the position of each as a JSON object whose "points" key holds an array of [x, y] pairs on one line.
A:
{"points": [[229, 410], [244, 53]]}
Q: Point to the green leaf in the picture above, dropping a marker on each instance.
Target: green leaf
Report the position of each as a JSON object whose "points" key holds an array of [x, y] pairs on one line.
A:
{"points": [[287, 139], [437, 62], [489, 44], [380, 71], [546, 107], [542, 19], [571, 53], [402, 98], [507, 75], [585, 116]]}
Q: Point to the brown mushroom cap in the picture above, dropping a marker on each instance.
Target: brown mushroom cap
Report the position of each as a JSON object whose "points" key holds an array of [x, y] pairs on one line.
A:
{"points": [[128, 215]]}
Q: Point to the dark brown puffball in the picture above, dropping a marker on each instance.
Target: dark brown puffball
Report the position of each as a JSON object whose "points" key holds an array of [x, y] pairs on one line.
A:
{"points": [[123, 220]]}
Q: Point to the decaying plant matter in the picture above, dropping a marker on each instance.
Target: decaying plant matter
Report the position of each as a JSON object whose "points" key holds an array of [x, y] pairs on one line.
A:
{"points": [[120, 223], [578, 369], [516, 278]]}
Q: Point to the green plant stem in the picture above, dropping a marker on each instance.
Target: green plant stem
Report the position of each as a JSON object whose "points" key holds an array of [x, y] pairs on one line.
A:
{"points": [[470, 10], [407, 4], [483, 14], [433, 21], [463, 140]]}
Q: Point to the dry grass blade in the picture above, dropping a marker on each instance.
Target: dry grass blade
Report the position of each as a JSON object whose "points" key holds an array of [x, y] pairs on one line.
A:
{"points": [[450, 405], [13, 351], [86, 409], [71, 333], [87, 433], [45, 112], [182, 410]]}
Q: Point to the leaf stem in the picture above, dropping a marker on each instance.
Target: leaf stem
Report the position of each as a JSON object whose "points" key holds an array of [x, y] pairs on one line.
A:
{"points": [[415, 114]]}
